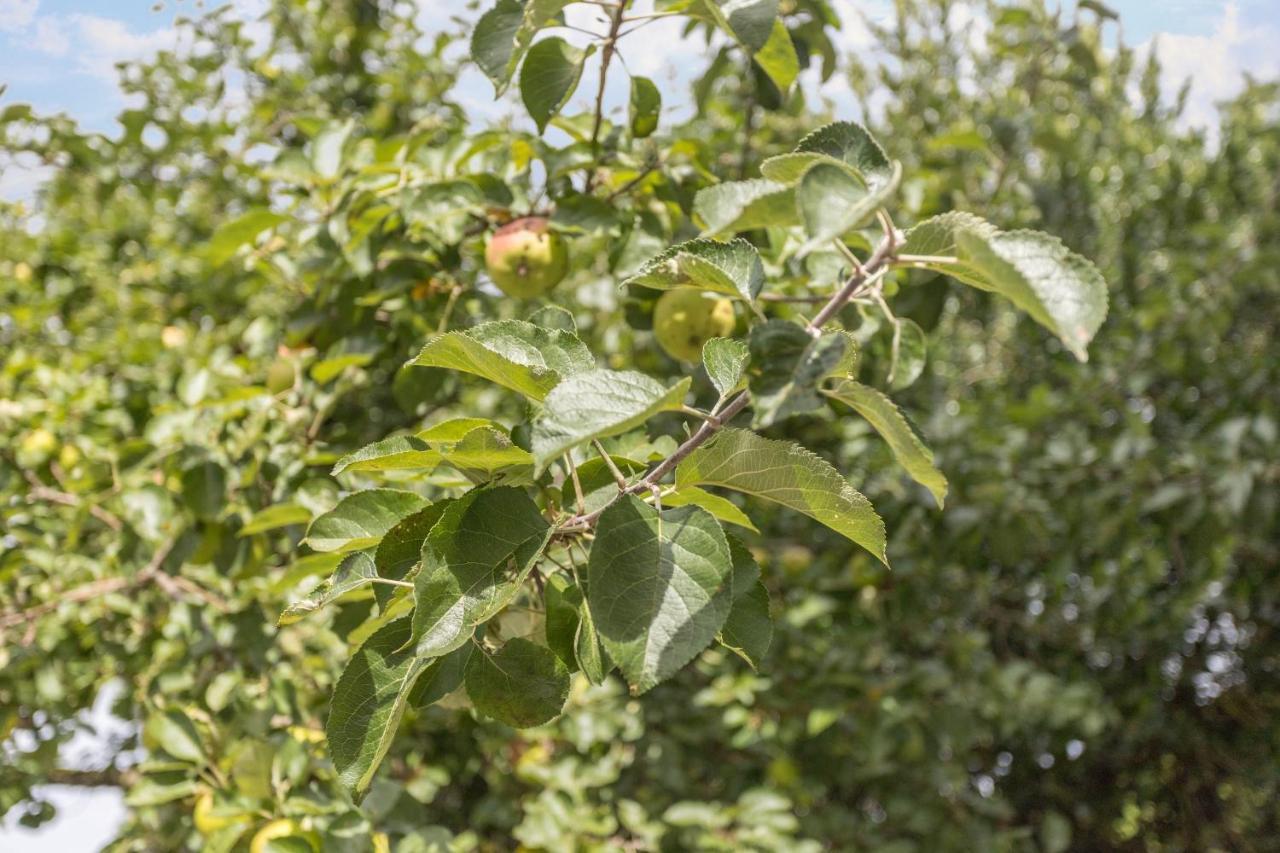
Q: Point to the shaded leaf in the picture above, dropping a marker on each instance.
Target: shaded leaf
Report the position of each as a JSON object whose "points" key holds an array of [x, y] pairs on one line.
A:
{"points": [[522, 685], [473, 562], [548, 77], [646, 106], [787, 364], [658, 587], [368, 702]]}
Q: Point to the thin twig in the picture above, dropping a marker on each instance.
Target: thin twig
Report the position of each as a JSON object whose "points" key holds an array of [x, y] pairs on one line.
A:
{"points": [[40, 491], [618, 476], [577, 484], [606, 56]]}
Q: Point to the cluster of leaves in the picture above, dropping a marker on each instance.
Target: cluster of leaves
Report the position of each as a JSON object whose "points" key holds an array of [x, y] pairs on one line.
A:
{"points": [[230, 376], [660, 578]]}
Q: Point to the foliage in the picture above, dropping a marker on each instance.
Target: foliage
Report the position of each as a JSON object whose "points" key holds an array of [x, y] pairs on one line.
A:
{"points": [[340, 514]]}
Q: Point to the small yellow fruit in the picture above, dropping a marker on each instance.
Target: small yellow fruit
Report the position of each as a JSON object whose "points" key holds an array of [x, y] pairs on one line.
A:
{"points": [[208, 822], [69, 457], [280, 376], [525, 258], [281, 828], [36, 448], [685, 319]]}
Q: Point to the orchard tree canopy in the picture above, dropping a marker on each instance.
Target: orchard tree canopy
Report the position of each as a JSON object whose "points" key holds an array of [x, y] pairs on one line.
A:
{"points": [[702, 471]]}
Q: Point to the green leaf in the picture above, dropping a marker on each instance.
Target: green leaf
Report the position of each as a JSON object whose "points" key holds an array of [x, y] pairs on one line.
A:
{"points": [[646, 106], [355, 571], [743, 205], [787, 364], [658, 587], [453, 430], [473, 562], [598, 404], [244, 229], [832, 202], [721, 507], [493, 42], [328, 147], [586, 647], [275, 517], [750, 22], [548, 77], [562, 598], [487, 455], [441, 677], [726, 360], [522, 685], [754, 24], [907, 355], [787, 474], [401, 548], [748, 630], [893, 426], [732, 268], [777, 58], [398, 453], [1061, 290], [512, 353], [204, 489], [368, 703], [843, 143], [173, 731], [361, 519]]}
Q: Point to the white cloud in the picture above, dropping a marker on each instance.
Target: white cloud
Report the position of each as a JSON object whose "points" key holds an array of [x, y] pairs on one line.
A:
{"points": [[102, 42], [52, 36], [1216, 63], [17, 15]]}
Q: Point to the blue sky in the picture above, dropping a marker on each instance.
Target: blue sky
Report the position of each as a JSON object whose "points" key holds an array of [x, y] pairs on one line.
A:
{"points": [[59, 56]]}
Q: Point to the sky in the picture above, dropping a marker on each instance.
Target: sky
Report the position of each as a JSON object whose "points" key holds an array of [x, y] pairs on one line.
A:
{"points": [[60, 55]]}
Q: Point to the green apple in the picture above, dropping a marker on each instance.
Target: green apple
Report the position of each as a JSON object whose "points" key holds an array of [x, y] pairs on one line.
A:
{"points": [[684, 320], [525, 258]]}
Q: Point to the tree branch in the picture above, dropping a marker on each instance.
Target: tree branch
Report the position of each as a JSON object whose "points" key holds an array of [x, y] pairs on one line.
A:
{"points": [[606, 57]]}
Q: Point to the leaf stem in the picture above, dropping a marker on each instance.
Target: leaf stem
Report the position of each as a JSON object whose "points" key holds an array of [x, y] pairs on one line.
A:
{"points": [[618, 476]]}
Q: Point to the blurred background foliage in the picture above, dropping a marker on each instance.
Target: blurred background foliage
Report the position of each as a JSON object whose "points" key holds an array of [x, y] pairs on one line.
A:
{"points": [[203, 312]]}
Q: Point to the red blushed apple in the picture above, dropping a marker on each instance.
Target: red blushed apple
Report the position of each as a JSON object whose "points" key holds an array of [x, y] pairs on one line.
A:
{"points": [[525, 258]]}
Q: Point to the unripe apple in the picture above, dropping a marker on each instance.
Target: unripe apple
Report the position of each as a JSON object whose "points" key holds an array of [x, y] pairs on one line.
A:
{"points": [[525, 258], [684, 320]]}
